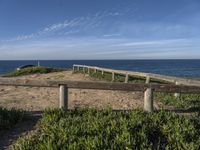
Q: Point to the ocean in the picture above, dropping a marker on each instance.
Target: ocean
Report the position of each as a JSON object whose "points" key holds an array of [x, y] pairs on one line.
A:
{"points": [[179, 68]]}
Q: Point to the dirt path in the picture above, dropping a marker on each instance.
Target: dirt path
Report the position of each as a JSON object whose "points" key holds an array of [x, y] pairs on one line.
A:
{"points": [[34, 99]]}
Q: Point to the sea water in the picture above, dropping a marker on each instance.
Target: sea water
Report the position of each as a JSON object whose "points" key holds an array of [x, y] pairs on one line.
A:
{"points": [[180, 68]]}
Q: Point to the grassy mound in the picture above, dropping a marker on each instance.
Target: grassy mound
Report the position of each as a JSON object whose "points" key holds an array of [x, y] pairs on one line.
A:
{"points": [[32, 70], [107, 129], [8, 118]]}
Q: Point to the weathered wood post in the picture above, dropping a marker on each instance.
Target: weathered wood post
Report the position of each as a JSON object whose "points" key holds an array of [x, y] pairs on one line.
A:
{"points": [[95, 70], [102, 72], [177, 94], [63, 101], [126, 78], [147, 79], [78, 68], [84, 70], [148, 100], [113, 76], [73, 69], [88, 70]]}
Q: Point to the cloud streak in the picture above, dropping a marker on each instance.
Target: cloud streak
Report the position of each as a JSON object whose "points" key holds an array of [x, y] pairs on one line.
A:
{"points": [[74, 26], [101, 49]]}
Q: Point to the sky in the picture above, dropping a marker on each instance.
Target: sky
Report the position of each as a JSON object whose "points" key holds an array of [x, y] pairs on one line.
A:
{"points": [[99, 29]]}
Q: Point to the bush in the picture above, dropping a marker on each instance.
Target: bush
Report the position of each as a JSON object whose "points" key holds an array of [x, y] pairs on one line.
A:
{"points": [[107, 129], [186, 101], [8, 118]]}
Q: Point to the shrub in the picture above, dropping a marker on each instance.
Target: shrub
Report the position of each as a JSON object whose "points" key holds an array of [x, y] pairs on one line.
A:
{"points": [[107, 129], [8, 118]]}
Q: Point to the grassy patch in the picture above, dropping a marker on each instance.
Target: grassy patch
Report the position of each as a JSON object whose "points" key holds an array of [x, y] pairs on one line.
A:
{"points": [[32, 70], [107, 76], [107, 129], [8, 118], [187, 101]]}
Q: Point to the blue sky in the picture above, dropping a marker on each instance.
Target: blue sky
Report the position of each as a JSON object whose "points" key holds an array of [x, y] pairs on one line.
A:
{"points": [[99, 29]]}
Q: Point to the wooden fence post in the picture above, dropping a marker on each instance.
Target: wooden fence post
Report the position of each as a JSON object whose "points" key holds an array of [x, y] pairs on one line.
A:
{"points": [[88, 70], [63, 101], [147, 80], [148, 100], [113, 76], [73, 69], [102, 72], [177, 94], [84, 70], [126, 78], [95, 70], [77, 68]]}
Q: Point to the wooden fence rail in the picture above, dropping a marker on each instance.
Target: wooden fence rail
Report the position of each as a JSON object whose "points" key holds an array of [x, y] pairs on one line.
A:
{"points": [[147, 76], [64, 85]]}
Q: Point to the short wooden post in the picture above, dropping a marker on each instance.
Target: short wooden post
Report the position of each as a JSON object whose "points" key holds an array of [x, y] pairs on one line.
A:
{"points": [[102, 72], [73, 69], [84, 70], [113, 76], [77, 68], [88, 69], [177, 94], [126, 78], [63, 101], [95, 70], [148, 100], [147, 80]]}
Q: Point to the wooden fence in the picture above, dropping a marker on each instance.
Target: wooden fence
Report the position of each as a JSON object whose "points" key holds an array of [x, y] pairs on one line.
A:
{"points": [[64, 85], [147, 76]]}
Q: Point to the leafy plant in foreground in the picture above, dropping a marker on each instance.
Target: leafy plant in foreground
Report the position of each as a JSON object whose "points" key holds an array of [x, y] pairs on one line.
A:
{"points": [[107, 129], [8, 118]]}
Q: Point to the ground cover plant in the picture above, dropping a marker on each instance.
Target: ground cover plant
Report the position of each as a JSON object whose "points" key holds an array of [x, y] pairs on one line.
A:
{"points": [[32, 70], [108, 76], [108, 129], [186, 101], [8, 118]]}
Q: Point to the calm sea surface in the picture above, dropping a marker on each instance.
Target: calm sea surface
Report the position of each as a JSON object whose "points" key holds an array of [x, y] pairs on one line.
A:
{"points": [[183, 68]]}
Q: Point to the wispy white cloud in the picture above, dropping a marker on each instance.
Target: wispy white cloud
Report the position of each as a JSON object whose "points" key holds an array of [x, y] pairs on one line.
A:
{"points": [[73, 26], [95, 48], [148, 43], [111, 35]]}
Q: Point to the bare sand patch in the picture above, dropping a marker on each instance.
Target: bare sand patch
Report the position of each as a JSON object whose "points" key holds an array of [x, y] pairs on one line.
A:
{"points": [[36, 99]]}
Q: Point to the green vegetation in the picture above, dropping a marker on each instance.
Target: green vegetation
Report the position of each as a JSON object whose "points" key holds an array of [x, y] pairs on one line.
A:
{"points": [[32, 70], [8, 118], [186, 101], [107, 76], [107, 129]]}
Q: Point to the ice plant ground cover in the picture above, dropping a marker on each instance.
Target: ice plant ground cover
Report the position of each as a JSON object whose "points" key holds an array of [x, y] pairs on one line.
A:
{"points": [[109, 129]]}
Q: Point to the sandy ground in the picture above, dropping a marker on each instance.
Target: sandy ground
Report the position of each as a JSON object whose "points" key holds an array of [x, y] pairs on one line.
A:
{"points": [[37, 99]]}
